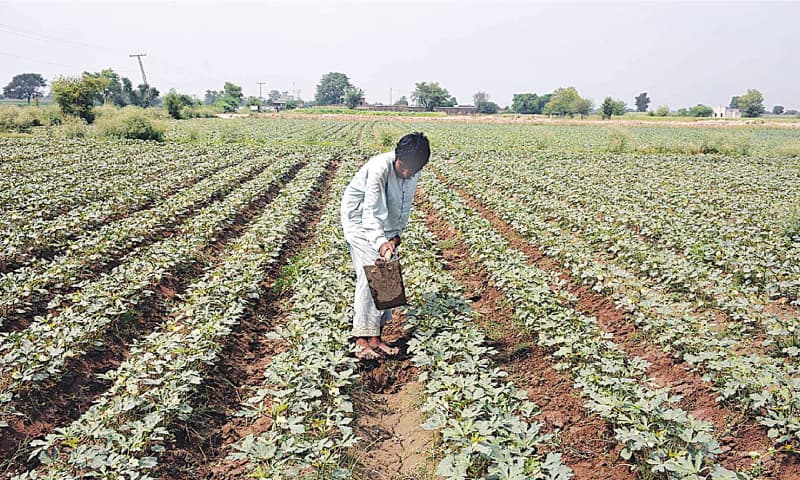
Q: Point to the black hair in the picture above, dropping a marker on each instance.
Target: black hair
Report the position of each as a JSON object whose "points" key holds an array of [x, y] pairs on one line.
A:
{"points": [[414, 147]]}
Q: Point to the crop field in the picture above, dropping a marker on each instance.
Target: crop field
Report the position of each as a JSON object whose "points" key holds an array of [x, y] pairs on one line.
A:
{"points": [[585, 301]]}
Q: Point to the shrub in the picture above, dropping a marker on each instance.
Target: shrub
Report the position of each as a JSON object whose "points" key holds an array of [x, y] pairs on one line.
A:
{"points": [[618, 140], [175, 102], [132, 123], [388, 137], [72, 127], [22, 119]]}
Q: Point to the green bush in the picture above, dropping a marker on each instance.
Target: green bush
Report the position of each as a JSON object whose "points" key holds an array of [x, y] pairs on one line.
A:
{"points": [[133, 123], [618, 140], [72, 127], [23, 119], [198, 112]]}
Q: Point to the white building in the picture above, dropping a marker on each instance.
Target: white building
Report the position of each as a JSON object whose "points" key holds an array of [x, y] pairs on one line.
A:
{"points": [[727, 112]]}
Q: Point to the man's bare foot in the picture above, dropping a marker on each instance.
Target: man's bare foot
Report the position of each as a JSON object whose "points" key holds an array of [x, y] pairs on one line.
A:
{"points": [[364, 351], [375, 343]]}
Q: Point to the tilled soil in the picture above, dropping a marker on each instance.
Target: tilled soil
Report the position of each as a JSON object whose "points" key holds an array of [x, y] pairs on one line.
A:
{"points": [[586, 441], [394, 446], [738, 435], [63, 401]]}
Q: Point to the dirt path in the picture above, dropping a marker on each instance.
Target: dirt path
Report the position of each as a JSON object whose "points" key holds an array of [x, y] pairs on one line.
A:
{"points": [[394, 446], [738, 435]]}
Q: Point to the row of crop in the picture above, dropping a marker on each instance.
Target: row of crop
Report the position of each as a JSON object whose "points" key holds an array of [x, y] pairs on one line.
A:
{"points": [[21, 239], [306, 389], [738, 235], [29, 184], [21, 287], [121, 435], [728, 216], [767, 387], [305, 392], [664, 441], [39, 352], [487, 425], [656, 266], [47, 192]]}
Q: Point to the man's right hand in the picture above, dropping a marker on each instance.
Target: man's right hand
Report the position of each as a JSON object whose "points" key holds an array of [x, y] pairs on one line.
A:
{"points": [[387, 246]]}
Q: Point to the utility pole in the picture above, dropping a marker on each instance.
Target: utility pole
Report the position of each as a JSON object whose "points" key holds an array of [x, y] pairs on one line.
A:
{"points": [[390, 95], [259, 89], [141, 67]]}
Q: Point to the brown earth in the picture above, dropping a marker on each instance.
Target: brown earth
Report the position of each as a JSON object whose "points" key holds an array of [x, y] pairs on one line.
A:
{"points": [[60, 402], [586, 441], [394, 446], [201, 446], [737, 434]]}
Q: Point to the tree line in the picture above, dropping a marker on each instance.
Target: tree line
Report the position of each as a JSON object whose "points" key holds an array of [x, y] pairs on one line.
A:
{"points": [[78, 95]]}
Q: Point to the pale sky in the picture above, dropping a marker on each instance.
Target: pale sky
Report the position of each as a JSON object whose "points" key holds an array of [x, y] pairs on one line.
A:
{"points": [[681, 53]]}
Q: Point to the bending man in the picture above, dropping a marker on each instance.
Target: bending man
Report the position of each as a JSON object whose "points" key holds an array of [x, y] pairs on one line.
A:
{"points": [[375, 210]]}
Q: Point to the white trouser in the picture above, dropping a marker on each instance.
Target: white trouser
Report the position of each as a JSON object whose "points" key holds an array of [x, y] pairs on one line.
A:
{"points": [[368, 320]]}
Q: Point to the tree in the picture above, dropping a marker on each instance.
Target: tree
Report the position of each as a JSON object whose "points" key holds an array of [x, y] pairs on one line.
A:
{"points": [[584, 106], [431, 95], [683, 112], [231, 97], [402, 101], [331, 89], [480, 97], [734, 102], [642, 101], [662, 111], [274, 95], [174, 102], [525, 103], [145, 96], [352, 97], [612, 107], [113, 92], [752, 103], [777, 109], [487, 107], [212, 97], [566, 101], [701, 110], [25, 86], [77, 96]]}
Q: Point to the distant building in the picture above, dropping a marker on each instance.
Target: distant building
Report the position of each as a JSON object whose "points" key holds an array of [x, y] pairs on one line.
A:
{"points": [[727, 112], [458, 110]]}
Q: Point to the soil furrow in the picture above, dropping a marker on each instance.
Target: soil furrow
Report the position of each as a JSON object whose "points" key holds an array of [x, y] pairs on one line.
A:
{"points": [[49, 252], [63, 401], [19, 321], [586, 442], [200, 446], [738, 435], [394, 445]]}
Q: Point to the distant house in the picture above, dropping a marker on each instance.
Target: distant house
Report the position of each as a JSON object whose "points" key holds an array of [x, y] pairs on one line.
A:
{"points": [[727, 112]]}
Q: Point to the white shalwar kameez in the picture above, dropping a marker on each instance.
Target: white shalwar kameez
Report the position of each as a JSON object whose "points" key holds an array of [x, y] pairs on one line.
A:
{"points": [[375, 207]]}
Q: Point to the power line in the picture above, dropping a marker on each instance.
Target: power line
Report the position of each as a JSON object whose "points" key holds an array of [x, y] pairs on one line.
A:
{"points": [[61, 40]]}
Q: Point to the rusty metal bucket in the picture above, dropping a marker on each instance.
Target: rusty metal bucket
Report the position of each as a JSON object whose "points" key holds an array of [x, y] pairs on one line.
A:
{"points": [[385, 280]]}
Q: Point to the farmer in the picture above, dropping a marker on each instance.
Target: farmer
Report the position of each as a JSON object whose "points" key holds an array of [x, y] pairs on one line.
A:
{"points": [[375, 210]]}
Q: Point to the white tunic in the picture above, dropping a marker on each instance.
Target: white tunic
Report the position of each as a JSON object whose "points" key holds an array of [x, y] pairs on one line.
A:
{"points": [[377, 202]]}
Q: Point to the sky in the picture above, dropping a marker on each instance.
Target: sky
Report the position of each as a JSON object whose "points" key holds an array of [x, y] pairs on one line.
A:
{"points": [[680, 53]]}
